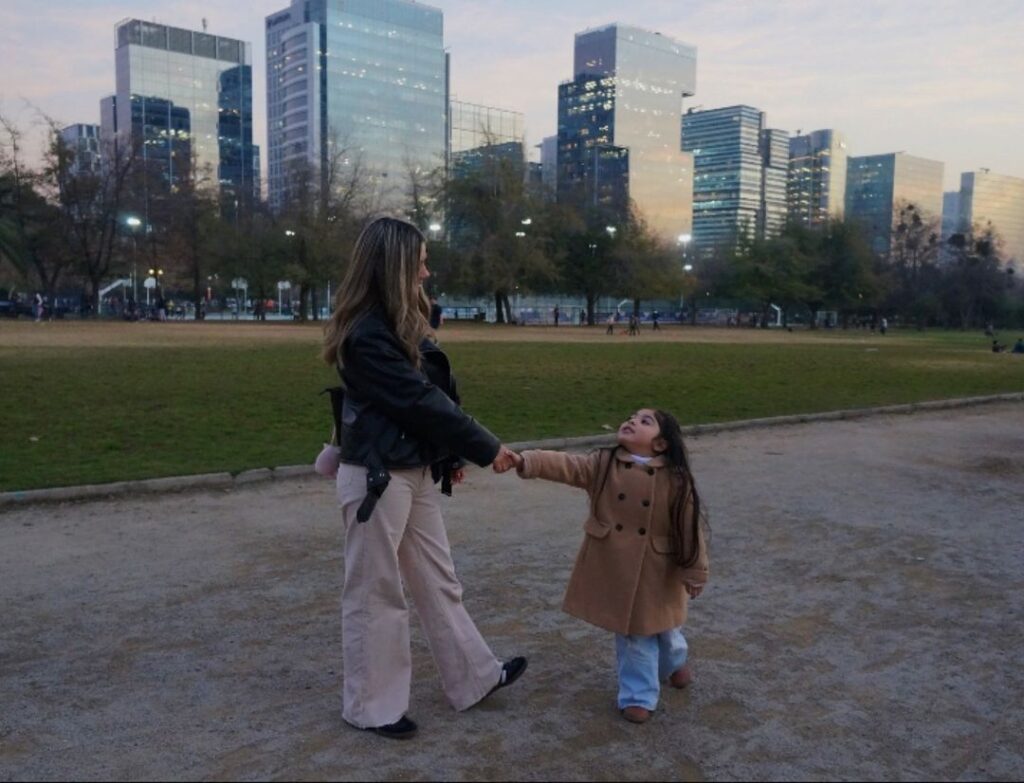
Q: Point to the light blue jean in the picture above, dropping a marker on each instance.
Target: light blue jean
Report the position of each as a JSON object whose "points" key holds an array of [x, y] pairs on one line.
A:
{"points": [[643, 662]]}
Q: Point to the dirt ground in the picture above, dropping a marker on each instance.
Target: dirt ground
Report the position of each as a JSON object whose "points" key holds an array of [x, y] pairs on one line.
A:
{"points": [[77, 334], [864, 621]]}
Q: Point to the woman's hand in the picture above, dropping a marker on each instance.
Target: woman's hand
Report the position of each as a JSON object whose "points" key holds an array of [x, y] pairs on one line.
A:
{"points": [[506, 460]]}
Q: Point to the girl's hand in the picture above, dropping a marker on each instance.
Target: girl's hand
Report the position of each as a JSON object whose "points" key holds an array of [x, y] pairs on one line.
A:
{"points": [[458, 475], [693, 590], [506, 460]]}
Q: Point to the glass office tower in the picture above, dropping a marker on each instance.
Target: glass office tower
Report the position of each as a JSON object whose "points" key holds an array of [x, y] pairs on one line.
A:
{"points": [[878, 186], [476, 131], [817, 177], [741, 170], [369, 77], [184, 99], [83, 141], [619, 122], [997, 199]]}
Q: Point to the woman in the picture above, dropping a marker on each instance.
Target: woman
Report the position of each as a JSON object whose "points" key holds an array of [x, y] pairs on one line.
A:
{"points": [[402, 431]]}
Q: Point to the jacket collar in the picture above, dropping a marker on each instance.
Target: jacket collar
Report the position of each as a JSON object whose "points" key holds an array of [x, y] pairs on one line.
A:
{"points": [[622, 455]]}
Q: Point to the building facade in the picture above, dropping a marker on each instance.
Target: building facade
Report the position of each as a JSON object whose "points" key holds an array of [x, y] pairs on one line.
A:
{"points": [[476, 131], [356, 83], [619, 123], [817, 177], [879, 186], [83, 141], [549, 164], [741, 169], [183, 102], [998, 199]]}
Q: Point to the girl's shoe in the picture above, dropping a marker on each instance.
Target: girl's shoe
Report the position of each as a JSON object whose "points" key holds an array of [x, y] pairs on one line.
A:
{"points": [[636, 714], [681, 677]]}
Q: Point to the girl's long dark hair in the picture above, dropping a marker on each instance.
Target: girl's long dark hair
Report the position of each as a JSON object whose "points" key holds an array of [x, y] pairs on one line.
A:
{"points": [[685, 530]]}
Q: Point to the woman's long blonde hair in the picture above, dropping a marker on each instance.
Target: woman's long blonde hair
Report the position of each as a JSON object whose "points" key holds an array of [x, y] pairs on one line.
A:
{"points": [[384, 272]]}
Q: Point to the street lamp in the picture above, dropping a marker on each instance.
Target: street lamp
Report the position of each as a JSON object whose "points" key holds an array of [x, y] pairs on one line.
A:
{"points": [[527, 221], [153, 281], [289, 233], [434, 229], [133, 223], [611, 231], [520, 234], [683, 241]]}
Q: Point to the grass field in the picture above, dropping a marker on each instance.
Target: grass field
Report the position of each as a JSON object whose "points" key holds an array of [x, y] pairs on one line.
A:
{"points": [[85, 402]]}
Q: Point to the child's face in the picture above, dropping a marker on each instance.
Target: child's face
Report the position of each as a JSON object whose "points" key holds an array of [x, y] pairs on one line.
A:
{"points": [[641, 434]]}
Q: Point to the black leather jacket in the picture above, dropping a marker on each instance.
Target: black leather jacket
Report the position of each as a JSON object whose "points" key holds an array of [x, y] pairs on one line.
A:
{"points": [[396, 416]]}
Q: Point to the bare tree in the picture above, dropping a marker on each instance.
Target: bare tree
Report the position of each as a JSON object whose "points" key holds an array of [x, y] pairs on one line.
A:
{"points": [[30, 224], [327, 204]]}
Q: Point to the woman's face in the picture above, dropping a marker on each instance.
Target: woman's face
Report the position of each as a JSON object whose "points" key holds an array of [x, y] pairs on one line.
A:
{"points": [[424, 272]]}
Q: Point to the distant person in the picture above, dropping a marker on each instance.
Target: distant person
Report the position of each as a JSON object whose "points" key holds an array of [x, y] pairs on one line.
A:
{"points": [[583, 317], [556, 315], [643, 555], [161, 307], [654, 320], [634, 325], [37, 307], [883, 326], [998, 347], [611, 324], [436, 314], [1018, 347], [990, 330]]}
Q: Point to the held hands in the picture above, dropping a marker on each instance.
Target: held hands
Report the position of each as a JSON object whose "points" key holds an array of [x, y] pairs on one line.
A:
{"points": [[506, 460]]}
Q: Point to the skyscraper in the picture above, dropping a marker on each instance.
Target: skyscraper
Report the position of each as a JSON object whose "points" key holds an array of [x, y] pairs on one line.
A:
{"points": [[367, 78], [549, 163], [879, 186], [817, 177], [740, 174], [619, 126], [84, 143], [997, 199], [184, 102], [476, 130]]}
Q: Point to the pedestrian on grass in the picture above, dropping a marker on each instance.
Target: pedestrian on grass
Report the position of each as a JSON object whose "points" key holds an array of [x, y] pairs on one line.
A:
{"points": [[634, 325], [1018, 347], [436, 314], [644, 553], [557, 313], [611, 324], [403, 430]]}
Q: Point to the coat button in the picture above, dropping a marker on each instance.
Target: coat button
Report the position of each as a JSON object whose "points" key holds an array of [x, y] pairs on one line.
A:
{"points": [[622, 496], [618, 527], [650, 471], [643, 531], [647, 503]]}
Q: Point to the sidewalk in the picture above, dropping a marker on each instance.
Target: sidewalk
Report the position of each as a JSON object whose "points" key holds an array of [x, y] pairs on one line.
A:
{"points": [[864, 620]]}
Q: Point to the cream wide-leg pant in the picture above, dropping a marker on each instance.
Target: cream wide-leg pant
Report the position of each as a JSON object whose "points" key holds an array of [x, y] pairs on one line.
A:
{"points": [[404, 540]]}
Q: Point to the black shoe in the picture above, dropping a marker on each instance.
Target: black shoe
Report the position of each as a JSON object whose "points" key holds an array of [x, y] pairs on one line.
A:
{"points": [[401, 729], [511, 671]]}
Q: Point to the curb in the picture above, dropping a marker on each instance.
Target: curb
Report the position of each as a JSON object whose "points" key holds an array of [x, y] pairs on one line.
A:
{"points": [[9, 500]]}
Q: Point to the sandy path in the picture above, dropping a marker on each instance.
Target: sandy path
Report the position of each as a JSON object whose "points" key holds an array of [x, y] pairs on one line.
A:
{"points": [[864, 622]]}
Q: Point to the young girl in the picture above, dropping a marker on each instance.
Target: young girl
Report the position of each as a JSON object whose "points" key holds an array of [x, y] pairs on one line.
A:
{"points": [[644, 552]]}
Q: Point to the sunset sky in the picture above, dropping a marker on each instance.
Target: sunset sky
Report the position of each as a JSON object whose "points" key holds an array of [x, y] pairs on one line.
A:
{"points": [[942, 79]]}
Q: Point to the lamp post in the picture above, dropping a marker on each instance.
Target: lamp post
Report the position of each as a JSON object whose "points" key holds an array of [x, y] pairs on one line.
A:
{"points": [[435, 229], [134, 223], [683, 240]]}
